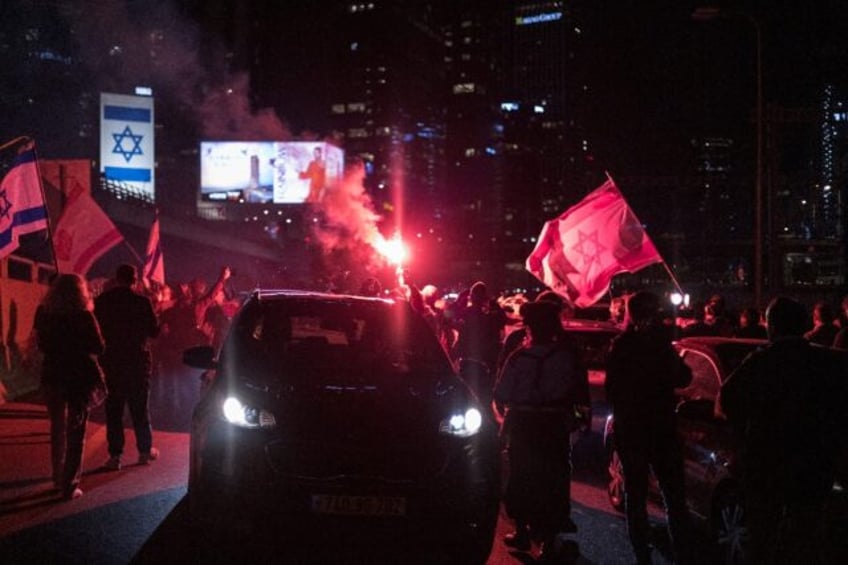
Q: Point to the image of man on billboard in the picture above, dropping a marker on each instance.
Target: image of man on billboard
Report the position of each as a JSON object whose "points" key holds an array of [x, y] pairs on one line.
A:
{"points": [[316, 173]]}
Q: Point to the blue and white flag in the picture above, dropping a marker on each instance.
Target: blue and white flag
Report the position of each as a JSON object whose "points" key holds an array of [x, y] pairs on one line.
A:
{"points": [[22, 208], [126, 141]]}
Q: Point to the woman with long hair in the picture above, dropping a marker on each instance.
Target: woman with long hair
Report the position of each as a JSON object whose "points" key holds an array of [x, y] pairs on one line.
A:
{"points": [[69, 337]]}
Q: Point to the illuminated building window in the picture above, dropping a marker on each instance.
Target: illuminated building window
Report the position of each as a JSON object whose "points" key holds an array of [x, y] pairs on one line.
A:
{"points": [[509, 106], [338, 108], [357, 132], [464, 88], [356, 107], [466, 56], [539, 109], [354, 46], [383, 131], [449, 43], [448, 59], [466, 40], [470, 152]]}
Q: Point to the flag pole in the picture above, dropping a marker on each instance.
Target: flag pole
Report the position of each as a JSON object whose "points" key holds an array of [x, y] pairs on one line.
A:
{"points": [[134, 252], [664, 264], [673, 278], [46, 209], [19, 139]]}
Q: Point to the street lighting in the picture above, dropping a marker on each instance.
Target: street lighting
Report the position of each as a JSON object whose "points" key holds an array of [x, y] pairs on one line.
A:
{"points": [[708, 13]]}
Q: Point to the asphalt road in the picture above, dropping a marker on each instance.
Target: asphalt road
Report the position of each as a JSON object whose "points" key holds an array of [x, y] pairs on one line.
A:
{"points": [[138, 515]]}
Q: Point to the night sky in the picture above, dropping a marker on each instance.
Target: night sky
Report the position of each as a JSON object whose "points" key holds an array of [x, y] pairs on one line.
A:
{"points": [[661, 78]]}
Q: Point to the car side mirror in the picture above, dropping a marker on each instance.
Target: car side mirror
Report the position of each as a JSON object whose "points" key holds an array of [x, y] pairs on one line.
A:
{"points": [[200, 357], [700, 409]]}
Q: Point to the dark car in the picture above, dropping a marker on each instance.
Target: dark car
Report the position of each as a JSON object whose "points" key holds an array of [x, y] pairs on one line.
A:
{"points": [[342, 416], [710, 461]]}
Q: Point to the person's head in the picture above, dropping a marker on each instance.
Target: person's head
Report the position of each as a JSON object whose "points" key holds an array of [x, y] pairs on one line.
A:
{"points": [[566, 310], [785, 317], [430, 294], [749, 317], [317, 153], [126, 275], [68, 293], [823, 313], [479, 294], [616, 309], [197, 288], [644, 309], [715, 306], [541, 318]]}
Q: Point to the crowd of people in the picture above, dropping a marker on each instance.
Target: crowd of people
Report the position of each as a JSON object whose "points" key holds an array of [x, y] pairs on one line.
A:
{"points": [[785, 401]]}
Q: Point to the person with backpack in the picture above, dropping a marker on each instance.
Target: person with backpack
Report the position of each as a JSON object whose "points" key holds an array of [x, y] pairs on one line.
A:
{"points": [[542, 393]]}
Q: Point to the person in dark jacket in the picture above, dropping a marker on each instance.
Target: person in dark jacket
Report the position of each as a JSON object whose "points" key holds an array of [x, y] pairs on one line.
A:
{"points": [[128, 322], [541, 389], [69, 337], [480, 325], [642, 372], [787, 402]]}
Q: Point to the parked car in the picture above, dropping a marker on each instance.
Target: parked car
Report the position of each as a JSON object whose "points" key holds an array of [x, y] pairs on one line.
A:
{"points": [[710, 461], [341, 415]]}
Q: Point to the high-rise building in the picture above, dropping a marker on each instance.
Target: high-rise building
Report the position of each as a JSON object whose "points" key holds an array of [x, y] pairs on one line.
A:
{"points": [[544, 95]]}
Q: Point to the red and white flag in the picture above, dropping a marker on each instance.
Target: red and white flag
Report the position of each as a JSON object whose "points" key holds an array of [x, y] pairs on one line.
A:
{"points": [[83, 234], [579, 252], [22, 208], [154, 263]]}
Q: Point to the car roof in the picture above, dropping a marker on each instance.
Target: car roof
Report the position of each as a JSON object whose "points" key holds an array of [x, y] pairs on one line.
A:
{"points": [[279, 294], [713, 341], [583, 324]]}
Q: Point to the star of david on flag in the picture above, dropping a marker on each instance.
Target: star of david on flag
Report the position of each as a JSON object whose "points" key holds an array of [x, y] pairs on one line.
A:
{"points": [[579, 252], [120, 144], [22, 208]]}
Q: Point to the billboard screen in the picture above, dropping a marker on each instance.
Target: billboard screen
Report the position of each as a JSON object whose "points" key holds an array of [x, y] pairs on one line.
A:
{"points": [[268, 172]]}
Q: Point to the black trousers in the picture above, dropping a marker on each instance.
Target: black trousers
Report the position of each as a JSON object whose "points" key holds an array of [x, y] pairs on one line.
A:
{"points": [[538, 490], [68, 420], [134, 395], [663, 455]]}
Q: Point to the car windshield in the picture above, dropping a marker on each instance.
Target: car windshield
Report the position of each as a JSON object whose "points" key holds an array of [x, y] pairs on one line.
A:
{"points": [[305, 338]]}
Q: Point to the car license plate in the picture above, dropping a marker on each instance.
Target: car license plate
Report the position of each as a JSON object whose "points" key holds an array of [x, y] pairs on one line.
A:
{"points": [[358, 505]]}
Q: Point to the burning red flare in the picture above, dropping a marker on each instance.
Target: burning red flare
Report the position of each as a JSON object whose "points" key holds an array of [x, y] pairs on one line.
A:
{"points": [[394, 250]]}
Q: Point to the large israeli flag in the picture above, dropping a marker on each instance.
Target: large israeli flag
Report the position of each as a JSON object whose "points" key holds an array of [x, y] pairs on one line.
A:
{"points": [[126, 141]]}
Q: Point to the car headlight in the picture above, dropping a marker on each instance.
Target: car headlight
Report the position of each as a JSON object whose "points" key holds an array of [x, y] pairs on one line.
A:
{"points": [[244, 416], [462, 424]]}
